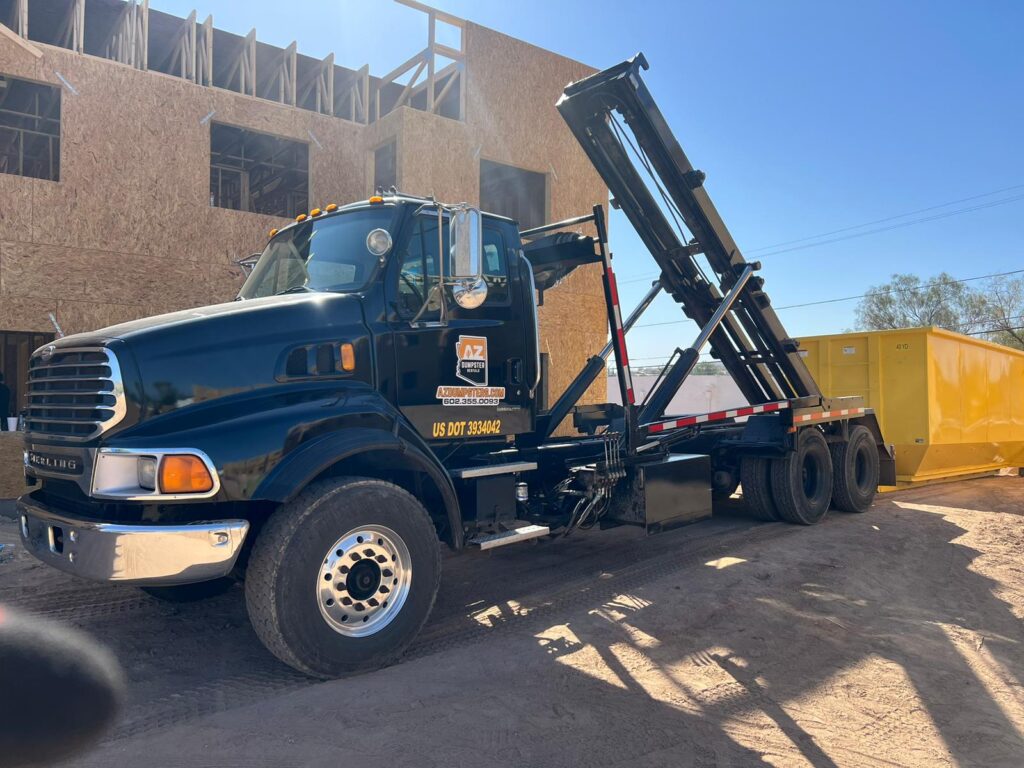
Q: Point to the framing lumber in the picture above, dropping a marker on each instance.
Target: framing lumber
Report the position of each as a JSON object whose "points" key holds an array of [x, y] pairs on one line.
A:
{"points": [[20, 41]]}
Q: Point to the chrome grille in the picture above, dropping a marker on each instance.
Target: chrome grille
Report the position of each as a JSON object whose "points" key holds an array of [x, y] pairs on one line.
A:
{"points": [[75, 393]]}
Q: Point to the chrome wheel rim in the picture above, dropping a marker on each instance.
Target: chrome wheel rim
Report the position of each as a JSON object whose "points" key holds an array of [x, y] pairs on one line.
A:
{"points": [[364, 581]]}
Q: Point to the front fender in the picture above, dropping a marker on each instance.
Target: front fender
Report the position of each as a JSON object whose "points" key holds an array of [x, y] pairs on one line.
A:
{"points": [[268, 446], [302, 465]]}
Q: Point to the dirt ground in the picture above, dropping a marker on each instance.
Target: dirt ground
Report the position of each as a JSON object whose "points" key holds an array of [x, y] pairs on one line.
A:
{"points": [[888, 638]]}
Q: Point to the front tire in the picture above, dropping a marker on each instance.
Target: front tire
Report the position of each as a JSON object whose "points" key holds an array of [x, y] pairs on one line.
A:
{"points": [[342, 578]]}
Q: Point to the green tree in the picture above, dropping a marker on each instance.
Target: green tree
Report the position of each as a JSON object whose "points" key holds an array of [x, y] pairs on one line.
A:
{"points": [[709, 368], [1004, 302], [908, 302]]}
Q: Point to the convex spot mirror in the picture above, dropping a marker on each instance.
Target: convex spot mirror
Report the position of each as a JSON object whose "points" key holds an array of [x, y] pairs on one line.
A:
{"points": [[469, 289], [378, 242]]}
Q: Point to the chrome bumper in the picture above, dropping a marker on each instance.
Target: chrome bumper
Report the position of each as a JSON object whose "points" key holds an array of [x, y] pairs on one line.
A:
{"points": [[132, 554]]}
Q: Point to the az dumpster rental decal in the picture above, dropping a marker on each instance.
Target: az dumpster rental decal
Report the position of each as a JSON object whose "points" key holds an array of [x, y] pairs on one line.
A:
{"points": [[472, 354], [471, 367]]}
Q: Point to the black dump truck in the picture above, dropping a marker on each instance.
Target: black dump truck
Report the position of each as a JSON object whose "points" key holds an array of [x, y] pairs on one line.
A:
{"points": [[376, 388]]}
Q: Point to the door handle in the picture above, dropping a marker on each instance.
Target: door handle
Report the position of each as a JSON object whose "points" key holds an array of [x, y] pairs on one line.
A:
{"points": [[515, 371]]}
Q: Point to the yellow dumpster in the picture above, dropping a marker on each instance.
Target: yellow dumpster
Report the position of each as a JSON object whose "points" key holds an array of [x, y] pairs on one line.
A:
{"points": [[951, 405]]}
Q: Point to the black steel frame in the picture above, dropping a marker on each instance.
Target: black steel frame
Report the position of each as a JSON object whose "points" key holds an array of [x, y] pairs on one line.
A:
{"points": [[748, 338]]}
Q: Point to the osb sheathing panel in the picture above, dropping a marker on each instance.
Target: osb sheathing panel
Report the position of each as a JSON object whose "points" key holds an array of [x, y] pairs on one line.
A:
{"points": [[12, 473], [129, 227], [151, 162], [24, 313]]}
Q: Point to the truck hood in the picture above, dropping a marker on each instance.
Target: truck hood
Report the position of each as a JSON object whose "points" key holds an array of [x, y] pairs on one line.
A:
{"points": [[177, 359], [131, 329]]}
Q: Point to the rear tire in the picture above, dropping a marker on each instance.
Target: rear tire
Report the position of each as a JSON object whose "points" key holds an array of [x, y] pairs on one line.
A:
{"points": [[329, 606], [802, 479], [855, 471], [755, 477]]}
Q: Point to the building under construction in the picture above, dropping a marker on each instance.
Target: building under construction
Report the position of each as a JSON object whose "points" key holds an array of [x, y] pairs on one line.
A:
{"points": [[143, 154]]}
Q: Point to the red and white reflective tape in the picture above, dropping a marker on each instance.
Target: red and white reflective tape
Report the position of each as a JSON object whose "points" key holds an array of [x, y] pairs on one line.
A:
{"points": [[620, 335], [829, 414], [689, 421]]}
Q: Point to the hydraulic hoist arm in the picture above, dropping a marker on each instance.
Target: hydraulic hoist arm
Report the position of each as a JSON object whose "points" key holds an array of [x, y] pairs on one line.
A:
{"points": [[731, 307]]}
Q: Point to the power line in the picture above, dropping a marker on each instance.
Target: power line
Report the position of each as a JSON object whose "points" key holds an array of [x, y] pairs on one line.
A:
{"points": [[887, 218], [990, 330], [708, 356], [997, 330], [894, 290], [859, 296], [900, 225]]}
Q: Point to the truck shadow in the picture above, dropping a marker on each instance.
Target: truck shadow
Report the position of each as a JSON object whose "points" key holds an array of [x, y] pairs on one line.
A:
{"points": [[867, 639], [909, 656]]}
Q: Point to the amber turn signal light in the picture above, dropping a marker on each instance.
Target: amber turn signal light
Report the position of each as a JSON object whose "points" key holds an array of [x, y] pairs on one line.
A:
{"points": [[184, 473], [348, 357]]}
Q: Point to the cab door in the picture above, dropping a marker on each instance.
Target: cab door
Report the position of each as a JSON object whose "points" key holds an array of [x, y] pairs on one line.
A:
{"points": [[464, 379]]}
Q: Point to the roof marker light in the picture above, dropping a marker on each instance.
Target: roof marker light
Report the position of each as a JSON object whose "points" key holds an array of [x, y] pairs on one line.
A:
{"points": [[376, 199], [315, 212], [331, 207], [301, 217], [273, 232]]}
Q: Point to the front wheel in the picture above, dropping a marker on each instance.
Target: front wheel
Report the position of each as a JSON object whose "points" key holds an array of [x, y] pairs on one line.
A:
{"points": [[342, 578]]}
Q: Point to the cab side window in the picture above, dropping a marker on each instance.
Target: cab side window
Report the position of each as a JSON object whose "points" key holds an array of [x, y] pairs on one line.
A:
{"points": [[495, 266], [418, 271]]}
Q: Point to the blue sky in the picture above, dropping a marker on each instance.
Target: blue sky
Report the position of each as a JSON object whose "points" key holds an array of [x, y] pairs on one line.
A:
{"points": [[808, 117]]}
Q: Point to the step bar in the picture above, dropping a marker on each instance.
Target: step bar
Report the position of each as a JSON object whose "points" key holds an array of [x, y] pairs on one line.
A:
{"points": [[524, 532]]}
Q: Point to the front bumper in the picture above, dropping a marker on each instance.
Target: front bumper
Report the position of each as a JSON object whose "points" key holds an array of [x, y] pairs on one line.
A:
{"points": [[131, 554]]}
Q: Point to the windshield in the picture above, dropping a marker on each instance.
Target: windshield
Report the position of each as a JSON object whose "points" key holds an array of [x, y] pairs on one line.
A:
{"points": [[328, 254]]}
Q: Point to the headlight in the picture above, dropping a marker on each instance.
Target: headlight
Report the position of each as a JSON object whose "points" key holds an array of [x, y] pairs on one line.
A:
{"points": [[147, 473], [136, 474], [378, 242]]}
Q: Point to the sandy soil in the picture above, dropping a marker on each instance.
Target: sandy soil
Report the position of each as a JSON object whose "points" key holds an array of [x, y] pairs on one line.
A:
{"points": [[888, 638]]}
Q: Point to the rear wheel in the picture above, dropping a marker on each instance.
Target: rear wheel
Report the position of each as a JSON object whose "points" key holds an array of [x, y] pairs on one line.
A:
{"points": [[855, 471], [802, 479], [342, 578], [755, 477]]}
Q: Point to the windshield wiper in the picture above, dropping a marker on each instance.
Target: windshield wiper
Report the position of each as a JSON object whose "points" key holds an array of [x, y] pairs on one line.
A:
{"points": [[296, 289]]}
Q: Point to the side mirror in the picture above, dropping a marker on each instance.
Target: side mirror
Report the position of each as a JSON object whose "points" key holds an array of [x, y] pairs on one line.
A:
{"points": [[248, 263], [469, 289], [467, 239]]}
